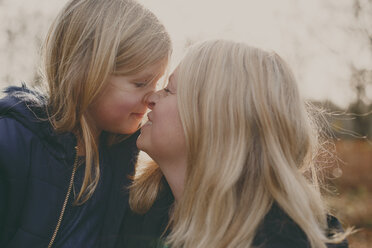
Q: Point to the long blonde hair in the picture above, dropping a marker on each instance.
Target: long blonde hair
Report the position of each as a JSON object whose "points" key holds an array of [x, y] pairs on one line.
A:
{"points": [[88, 41], [250, 143]]}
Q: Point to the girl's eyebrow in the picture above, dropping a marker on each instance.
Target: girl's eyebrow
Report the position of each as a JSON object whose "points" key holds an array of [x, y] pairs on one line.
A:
{"points": [[146, 78]]}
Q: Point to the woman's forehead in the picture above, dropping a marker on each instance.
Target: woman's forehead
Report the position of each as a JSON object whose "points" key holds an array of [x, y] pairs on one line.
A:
{"points": [[171, 80], [172, 77]]}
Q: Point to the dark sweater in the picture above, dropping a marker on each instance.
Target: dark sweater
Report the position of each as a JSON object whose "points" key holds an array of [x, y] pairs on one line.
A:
{"points": [[277, 230], [146, 231]]}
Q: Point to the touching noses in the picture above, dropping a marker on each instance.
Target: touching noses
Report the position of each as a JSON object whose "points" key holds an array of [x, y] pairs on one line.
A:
{"points": [[151, 99]]}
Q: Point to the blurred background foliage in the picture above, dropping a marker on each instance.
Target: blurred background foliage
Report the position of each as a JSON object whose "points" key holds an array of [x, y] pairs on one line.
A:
{"points": [[351, 172]]}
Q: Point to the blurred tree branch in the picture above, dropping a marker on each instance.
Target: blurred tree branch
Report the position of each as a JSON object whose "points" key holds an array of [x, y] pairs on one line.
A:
{"points": [[362, 77], [356, 121]]}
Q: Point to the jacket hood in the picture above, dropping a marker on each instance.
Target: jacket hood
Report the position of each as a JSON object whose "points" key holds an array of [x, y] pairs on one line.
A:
{"points": [[28, 107]]}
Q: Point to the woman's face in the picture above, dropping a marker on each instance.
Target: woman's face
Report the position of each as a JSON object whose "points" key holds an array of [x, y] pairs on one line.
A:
{"points": [[120, 107], [162, 137]]}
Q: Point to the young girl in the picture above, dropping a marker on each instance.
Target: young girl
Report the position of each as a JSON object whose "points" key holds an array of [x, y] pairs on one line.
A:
{"points": [[233, 140], [65, 155]]}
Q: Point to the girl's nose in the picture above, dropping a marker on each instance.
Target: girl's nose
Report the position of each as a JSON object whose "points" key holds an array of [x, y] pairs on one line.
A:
{"points": [[151, 99]]}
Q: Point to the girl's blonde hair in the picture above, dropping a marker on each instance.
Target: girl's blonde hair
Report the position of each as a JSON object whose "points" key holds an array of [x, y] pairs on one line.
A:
{"points": [[88, 41], [250, 143]]}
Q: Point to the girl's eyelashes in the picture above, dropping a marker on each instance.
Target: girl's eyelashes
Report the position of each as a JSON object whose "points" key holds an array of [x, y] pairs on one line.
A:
{"points": [[140, 84]]}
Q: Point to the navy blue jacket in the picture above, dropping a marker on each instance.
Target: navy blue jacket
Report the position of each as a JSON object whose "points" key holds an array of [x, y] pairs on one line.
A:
{"points": [[35, 170]]}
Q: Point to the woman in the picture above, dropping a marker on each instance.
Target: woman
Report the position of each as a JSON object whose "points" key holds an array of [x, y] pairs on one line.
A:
{"points": [[65, 154], [231, 136]]}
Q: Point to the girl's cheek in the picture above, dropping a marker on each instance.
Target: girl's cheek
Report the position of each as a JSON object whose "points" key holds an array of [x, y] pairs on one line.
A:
{"points": [[131, 101]]}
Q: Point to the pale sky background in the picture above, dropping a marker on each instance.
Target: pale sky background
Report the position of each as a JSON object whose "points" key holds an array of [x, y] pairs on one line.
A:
{"points": [[313, 36]]}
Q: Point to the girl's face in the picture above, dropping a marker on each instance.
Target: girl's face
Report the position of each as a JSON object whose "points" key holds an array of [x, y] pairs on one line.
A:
{"points": [[120, 107], [162, 137]]}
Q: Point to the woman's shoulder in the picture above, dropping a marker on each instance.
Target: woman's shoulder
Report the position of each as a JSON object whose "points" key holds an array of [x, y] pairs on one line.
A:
{"points": [[334, 226], [279, 230], [149, 229]]}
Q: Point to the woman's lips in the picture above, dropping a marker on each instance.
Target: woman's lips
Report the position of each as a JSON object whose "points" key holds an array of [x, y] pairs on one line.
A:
{"points": [[149, 116], [149, 121]]}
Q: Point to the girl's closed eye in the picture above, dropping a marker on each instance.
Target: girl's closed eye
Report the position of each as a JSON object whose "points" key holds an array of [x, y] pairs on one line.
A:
{"points": [[140, 84]]}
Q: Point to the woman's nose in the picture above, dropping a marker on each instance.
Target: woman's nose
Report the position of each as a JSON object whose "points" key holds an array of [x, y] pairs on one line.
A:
{"points": [[151, 99]]}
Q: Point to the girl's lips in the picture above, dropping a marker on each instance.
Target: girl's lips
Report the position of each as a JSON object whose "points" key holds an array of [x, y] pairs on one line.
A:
{"points": [[138, 115]]}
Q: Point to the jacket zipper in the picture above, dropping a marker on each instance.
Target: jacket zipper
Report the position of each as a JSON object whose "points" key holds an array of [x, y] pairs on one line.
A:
{"points": [[65, 202]]}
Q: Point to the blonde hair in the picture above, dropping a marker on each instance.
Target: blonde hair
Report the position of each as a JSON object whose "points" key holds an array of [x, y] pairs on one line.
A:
{"points": [[250, 143], [88, 41]]}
